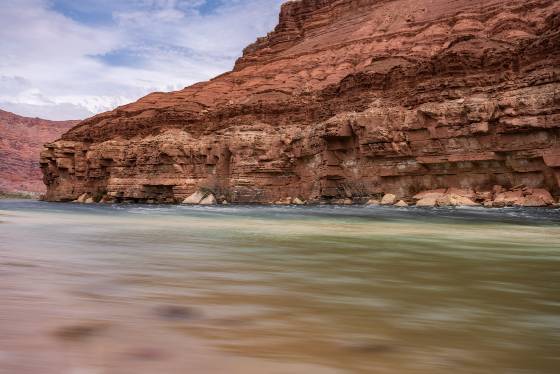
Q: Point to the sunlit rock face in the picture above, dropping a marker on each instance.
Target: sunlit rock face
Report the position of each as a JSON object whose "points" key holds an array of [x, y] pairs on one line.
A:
{"points": [[344, 99]]}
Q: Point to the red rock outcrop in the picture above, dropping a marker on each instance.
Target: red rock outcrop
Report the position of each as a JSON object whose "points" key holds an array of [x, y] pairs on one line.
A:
{"points": [[344, 99], [21, 141]]}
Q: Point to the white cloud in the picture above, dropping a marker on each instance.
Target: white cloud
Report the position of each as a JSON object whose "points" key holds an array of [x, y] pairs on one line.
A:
{"points": [[58, 66]]}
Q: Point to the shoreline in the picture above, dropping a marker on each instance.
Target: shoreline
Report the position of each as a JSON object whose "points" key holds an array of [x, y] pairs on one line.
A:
{"points": [[310, 205], [497, 197]]}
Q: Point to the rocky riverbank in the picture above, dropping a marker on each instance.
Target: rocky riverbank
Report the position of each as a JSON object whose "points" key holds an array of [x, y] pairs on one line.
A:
{"points": [[498, 197]]}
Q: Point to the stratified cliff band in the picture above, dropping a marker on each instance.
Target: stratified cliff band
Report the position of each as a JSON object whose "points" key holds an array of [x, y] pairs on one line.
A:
{"points": [[21, 141], [345, 99]]}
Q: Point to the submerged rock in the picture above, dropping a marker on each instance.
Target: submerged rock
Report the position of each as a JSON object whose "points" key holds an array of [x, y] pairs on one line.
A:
{"points": [[147, 354], [372, 348], [175, 312], [80, 331]]}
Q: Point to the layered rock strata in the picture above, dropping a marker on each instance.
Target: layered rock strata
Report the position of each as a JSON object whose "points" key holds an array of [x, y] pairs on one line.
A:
{"points": [[21, 142], [345, 99]]}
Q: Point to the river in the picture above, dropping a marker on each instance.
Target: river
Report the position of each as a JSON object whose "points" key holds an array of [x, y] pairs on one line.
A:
{"points": [[94, 289]]}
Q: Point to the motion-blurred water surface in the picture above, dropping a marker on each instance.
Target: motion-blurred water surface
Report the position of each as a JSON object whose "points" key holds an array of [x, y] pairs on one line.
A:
{"points": [[244, 289]]}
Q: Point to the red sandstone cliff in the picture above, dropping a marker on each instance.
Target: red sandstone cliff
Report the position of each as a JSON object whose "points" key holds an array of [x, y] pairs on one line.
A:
{"points": [[345, 98], [21, 141]]}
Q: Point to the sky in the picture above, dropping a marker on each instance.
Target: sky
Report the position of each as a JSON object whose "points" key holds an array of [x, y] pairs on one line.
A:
{"points": [[71, 59]]}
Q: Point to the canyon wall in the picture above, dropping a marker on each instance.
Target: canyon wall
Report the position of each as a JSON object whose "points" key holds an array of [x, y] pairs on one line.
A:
{"points": [[21, 141], [344, 99]]}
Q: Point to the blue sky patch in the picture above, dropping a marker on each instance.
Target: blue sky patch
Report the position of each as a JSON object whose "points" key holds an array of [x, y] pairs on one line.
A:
{"points": [[69, 59]]}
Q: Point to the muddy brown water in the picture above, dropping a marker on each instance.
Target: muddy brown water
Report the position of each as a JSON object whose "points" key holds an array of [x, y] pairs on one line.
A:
{"points": [[241, 289]]}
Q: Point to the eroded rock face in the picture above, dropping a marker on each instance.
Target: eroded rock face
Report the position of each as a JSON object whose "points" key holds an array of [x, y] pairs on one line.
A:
{"points": [[345, 99], [21, 141]]}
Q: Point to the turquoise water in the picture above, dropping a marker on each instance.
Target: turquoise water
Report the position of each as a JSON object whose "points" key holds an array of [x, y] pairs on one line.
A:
{"points": [[248, 289]]}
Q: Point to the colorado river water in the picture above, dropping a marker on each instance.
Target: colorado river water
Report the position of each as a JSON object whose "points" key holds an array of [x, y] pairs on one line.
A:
{"points": [[245, 289]]}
